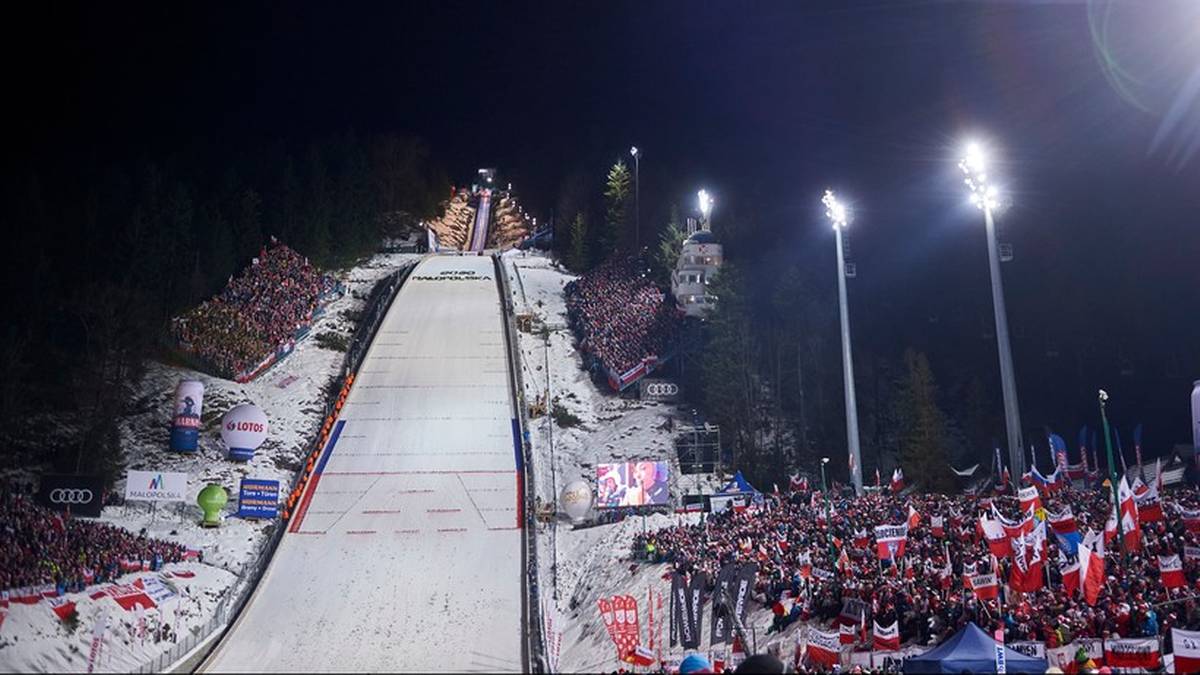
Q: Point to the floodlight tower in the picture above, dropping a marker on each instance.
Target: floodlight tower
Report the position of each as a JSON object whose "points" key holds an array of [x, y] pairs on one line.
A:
{"points": [[839, 216], [986, 197], [706, 204]]}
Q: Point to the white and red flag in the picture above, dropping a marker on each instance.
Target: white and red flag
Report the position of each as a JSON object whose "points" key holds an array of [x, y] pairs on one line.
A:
{"points": [[1170, 568], [1070, 574], [890, 541], [861, 538], [938, 525], [1026, 573], [914, 518], [997, 538], [985, 586], [1187, 650], [1029, 498], [1091, 567], [1149, 506], [1191, 519], [1136, 653], [126, 595], [823, 648], [640, 656], [886, 639], [846, 633], [62, 607], [897, 480]]}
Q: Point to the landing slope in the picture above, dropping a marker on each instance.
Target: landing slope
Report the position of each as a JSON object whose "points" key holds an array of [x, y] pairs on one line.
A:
{"points": [[407, 555]]}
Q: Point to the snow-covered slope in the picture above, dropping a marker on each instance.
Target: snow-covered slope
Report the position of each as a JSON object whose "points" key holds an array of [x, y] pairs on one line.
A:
{"points": [[292, 394], [407, 555]]}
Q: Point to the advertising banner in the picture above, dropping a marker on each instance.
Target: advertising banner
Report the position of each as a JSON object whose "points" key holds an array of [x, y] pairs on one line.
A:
{"points": [[658, 390], [258, 498], [185, 424], [722, 601], [156, 486], [79, 495], [695, 607], [632, 484], [243, 429]]}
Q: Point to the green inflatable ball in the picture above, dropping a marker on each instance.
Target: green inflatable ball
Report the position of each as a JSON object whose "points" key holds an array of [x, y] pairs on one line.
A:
{"points": [[211, 500]]}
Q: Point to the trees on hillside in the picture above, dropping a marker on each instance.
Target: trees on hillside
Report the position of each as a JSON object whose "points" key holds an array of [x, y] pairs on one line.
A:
{"points": [[617, 190], [925, 436]]}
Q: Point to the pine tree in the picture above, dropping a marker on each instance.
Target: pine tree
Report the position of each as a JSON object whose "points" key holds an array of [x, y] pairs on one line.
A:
{"points": [[616, 215], [925, 436], [577, 255], [670, 242], [729, 374]]}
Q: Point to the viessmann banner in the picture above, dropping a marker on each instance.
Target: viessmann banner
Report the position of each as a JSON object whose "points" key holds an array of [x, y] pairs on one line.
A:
{"points": [[81, 495], [156, 486]]}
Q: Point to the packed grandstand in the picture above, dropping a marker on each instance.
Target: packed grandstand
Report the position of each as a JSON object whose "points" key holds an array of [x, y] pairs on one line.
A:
{"points": [[624, 322], [824, 560], [257, 315]]}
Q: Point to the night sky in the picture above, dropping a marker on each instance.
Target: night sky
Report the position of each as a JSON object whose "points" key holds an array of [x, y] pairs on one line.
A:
{"points": [[765, 104]]}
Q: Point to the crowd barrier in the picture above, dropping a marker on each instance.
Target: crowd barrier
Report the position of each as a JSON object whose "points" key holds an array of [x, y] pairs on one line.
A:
{"points": [[532, 624], [195, 646]]}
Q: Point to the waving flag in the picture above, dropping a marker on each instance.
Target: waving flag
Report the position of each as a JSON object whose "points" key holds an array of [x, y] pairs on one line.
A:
{"points": [[1070, 574], [886, 639], [938, 525], [1149, 506], [1091, 567], [985, 586], [914, 518], [1191, 519], [823, 648], [1187, 650], [996, 537], [1171, 571], [1029, 499], [897, 480], [1137, 654], [846, 633], [1026, 573], [861, 538], [1065, 530], [890, 541]]}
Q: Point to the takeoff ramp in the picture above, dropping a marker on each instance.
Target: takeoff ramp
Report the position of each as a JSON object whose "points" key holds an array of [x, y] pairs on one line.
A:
{"points": [[404, 553]]}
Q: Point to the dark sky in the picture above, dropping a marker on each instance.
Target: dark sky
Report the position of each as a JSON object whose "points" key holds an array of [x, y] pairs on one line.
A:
{"points": [[764, 103]]}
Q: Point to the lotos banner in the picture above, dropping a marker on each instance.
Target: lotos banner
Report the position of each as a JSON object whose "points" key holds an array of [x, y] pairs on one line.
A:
{"points": [[75, 494]]}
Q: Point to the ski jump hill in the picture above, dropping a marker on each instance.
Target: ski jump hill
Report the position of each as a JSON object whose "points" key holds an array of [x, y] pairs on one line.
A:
{"points": [[405, 552]]}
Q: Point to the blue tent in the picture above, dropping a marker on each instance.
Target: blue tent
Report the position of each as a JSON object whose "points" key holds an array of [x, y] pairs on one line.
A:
{"points": [[971, 651], [740, 486]]}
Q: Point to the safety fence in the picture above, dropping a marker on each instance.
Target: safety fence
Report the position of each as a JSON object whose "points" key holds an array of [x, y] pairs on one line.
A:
{"points": [[195, 646], [532, 627]]}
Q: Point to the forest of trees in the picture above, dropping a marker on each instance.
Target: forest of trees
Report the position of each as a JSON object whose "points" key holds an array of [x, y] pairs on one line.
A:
{"points": [[104, 254]]}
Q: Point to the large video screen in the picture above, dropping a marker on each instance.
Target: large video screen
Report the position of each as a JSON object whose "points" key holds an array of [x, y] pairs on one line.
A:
{"points": [[632, 484]]}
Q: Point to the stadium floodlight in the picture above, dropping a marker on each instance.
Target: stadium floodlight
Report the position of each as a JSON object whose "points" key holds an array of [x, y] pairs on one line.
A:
{"points": [[839, 215], [706, 204], [835, 210], [986, 197]]}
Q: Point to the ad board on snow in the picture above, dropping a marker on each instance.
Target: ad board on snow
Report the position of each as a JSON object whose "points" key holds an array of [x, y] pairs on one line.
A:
{"points": [[156, 486]]}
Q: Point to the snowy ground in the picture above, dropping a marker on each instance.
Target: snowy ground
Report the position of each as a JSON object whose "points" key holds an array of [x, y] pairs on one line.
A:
{"points": [[579, 566], [292, 394], [408, 557]]}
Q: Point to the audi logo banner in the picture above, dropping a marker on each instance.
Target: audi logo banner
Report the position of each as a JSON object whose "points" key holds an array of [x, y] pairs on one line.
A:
{"points": [[81, 495], [659, 390]]}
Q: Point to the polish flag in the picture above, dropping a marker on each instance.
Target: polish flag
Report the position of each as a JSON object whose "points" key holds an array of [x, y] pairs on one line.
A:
{"points": [[1141, 654], [914, 518], [985, 586], [640, 656], [1149, 506], [1091, 567], [862, 538], [1171, 570], [997, 538], [1070, 575], [1187, 650], [890, 541], [823, 648], [938, 524], [897, 480], [886, 639], [62, 607], [846, 634], [1029, 499], [1191, 519]]}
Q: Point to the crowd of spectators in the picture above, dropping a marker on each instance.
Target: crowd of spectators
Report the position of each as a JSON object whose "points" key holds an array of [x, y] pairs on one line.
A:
{"points": [[47, 547], [256, 312], [620, 316], [791, 535]]}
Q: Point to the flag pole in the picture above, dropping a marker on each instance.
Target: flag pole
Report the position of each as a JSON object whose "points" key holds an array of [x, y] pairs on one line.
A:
{"points": [[1112, 477]]}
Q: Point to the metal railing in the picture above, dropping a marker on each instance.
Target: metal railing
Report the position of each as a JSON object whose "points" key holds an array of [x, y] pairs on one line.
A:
{"points": [[534, 643], [379, 300]]}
